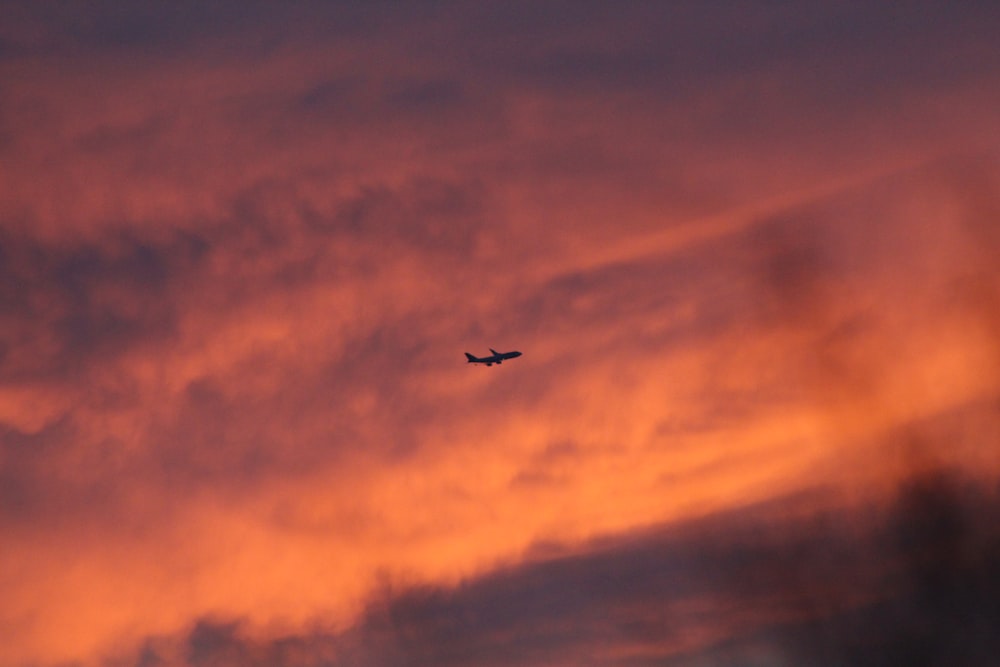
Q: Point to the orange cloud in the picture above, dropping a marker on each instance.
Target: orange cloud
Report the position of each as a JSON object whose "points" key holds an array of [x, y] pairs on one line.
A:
{"points": [[239, 270]]}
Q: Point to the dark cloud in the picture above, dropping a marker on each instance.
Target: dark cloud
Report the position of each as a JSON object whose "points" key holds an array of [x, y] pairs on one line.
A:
{"points": [[55, 28], [942, 546], [25, 472], [913, 583], [827, 53], [340, 97], [52, 27], [434, 215], [432, 96], [69, 303]]}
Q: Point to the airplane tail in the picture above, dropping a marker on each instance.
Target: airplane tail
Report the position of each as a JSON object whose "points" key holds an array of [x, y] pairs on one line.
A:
{"points": [[469, 357]]}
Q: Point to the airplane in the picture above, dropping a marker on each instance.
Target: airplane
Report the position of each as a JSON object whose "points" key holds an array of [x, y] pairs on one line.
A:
{"points": [[495, 358]]}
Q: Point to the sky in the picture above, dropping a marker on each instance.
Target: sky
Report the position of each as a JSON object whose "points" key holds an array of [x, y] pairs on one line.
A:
{"points": [[750, 252]]}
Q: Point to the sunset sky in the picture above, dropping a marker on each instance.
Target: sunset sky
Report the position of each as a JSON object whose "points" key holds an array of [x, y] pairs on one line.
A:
{"points": [[750, 252]]}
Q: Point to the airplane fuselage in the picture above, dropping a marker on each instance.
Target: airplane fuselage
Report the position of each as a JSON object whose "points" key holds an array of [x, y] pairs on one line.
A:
{"points": [[495, 358]]}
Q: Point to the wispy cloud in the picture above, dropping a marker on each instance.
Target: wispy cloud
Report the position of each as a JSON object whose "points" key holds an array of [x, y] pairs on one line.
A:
{"points": [[240, 258]]}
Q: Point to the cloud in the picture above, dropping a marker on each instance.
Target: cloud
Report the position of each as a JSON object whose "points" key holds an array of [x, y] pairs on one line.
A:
{"points": [[309, 413], [910, 582], [240, 258], [286, 436]]}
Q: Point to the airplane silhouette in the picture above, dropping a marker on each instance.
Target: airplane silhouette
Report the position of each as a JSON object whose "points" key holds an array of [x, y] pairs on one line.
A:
{"points": [[495, 358]]}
